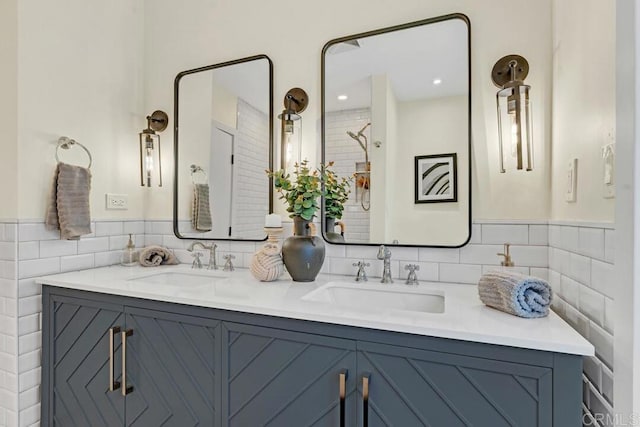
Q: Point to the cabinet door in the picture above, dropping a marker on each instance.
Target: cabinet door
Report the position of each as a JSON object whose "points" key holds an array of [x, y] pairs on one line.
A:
{"points": [[281, 378], [76, 357], [172, 365], [409, 387]]}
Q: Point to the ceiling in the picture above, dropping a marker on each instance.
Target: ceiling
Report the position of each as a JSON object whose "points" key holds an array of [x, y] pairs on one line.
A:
{"points": [[247, 80], [412, 59]]}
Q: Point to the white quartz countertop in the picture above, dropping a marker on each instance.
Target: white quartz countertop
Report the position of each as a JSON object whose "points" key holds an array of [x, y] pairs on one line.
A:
{"points": [[464, 317]]}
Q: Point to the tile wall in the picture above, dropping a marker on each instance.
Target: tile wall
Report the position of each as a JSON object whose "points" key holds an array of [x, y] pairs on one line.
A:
{"points": [[581, 261], [8, 326], [576, 258]]}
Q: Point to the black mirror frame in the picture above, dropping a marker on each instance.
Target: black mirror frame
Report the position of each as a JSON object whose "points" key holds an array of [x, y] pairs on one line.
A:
{"points": [[176, 92], [448, 17]]}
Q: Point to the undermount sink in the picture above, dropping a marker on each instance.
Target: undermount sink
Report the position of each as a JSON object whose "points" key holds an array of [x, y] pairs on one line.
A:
{"points": [[378, 297], [178, 278]]}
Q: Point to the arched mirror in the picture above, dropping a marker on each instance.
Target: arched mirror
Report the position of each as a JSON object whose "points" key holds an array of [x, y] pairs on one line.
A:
{"points": [[396, 120], [223, 140]]}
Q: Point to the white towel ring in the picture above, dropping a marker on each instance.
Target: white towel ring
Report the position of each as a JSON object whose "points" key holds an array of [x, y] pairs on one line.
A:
{"points": [[66, 143], [197, 169]]}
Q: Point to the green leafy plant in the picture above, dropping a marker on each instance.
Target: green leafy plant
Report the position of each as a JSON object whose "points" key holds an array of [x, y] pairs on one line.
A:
{"points": [[301, 193], [336, 191]]}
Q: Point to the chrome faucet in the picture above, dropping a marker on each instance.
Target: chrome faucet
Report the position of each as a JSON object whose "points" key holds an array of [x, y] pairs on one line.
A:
{"points": [[412, 278], [361, 275], [385, 254], [213, 265]]}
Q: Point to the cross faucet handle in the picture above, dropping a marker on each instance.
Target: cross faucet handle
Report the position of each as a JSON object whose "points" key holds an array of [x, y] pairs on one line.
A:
{"points": [[228, 265], [412, 278], [196, 260], [361, 275]]}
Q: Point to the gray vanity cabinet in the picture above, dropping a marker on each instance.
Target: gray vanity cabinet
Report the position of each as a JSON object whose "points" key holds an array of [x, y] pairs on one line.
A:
{"points": [[198, 366], [280, 378], [410, 387], [172, 365]]}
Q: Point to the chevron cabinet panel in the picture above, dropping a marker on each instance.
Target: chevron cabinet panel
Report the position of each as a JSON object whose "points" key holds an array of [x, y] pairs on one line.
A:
{"points": [[411, 387], [281, 378], [173, 367], [79, 389]]}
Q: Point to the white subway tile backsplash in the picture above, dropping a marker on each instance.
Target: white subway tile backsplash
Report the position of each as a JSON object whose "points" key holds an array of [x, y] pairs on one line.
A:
{"points": [[608, 315], [591, 304], [109, 228], [593, 370], [77, 262], [603, 342], [541, 273], [29, 250], [538, 235], [481, 254], [93, 244], [591, 242], [569, 238], [103, 259], [460, 273], [439, 255], [499, 234], [476, 234], [580, 268], [609, 245], [607, 384], [38, 267], [533, 256], [133, 227], [602, 277], [57, 248], [36, 231], [570, 290], [521, 270]]}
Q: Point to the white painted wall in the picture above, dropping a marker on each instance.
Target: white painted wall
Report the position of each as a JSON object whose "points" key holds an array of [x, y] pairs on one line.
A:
{"points": [[80, 75], [584, 109], [429, 127], [8, 108], [179, 38]]}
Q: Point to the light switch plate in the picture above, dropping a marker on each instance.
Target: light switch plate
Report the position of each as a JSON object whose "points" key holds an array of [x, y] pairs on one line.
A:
{"points": [[609, 171], [572, 181], [117, 201]]}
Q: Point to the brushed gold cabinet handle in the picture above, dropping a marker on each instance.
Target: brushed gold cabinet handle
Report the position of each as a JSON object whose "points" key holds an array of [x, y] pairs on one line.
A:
{"points": [[365, 400], [125, 389], [343, 394], [113, 385]]}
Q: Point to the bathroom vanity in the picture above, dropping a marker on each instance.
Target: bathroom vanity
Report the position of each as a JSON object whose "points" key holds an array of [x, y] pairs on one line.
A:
{"points": [[175, 346]]}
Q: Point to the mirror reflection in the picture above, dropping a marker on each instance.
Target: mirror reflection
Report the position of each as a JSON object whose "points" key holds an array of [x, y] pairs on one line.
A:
{"points": [[396, 119], [223, 140]]}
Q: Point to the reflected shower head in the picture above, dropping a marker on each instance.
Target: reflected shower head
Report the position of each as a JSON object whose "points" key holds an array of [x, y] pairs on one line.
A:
{"points": [[352, 135]]}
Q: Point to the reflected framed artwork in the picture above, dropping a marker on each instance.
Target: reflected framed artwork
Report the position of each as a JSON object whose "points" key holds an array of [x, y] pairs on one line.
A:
{"points": [[436, 178]]}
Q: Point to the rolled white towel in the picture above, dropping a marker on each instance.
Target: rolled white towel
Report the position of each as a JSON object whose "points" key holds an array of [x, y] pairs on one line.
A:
{"points": [[516, 294]]}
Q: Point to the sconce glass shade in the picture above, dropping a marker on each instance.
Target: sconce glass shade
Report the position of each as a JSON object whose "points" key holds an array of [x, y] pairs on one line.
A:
{"points": [[150, 154], [515, 128], [295, 102], [150, 159], [291, 137], [515, 125]]}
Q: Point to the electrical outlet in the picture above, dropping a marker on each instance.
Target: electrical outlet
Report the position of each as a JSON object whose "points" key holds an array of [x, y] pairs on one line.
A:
{"points": [[117, 201]]}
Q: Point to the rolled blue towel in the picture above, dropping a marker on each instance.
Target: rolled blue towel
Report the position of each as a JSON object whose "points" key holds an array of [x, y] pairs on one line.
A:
{"points": [[516, 294]]}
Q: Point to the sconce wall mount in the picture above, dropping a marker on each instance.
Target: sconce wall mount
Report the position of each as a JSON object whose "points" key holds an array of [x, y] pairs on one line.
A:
{"points": [[514, 113], [149, 141]]}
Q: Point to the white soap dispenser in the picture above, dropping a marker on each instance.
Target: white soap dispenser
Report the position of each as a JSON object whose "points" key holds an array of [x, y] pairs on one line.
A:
{"points": [[129, 254]]}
